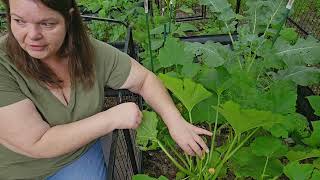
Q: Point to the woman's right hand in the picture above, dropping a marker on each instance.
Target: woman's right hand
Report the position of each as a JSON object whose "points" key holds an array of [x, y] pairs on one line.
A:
{"points": [[126, 116]]}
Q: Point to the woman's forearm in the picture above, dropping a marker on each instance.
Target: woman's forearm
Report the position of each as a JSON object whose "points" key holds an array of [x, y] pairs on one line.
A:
{"points": [[66, 138], [157, 96]]}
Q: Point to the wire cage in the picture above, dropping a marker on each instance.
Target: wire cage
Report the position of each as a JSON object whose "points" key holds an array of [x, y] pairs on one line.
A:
{"points": [[123, 159]]}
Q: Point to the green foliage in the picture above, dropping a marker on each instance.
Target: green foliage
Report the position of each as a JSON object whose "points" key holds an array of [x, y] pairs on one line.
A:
{"points": [[167, 59], [314, 139], [297, 171], [123, 10], [246, 164], [268, 146], [302, 153], [245, 92], [187, 91], [147, 131], [243, 120], [203, 113], [315, 103]]}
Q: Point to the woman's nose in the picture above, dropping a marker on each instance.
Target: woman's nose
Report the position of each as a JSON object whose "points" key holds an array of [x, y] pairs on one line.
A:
{"points": [[35, 32]]}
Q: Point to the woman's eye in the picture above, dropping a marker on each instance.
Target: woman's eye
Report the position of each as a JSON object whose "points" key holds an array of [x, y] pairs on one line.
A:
{"points": [[47, 25], [19, 21]]}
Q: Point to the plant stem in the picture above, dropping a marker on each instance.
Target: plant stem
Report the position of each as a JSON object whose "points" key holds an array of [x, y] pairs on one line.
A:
{"points": [[170, 18], [271, 19], [242, 143], [239, 62], [231, 38], [228, 156], [189, 161], [179, 156], [190, 117], [182, 169], [265, 167], [214, 134], [215, 128], [149, 41]]}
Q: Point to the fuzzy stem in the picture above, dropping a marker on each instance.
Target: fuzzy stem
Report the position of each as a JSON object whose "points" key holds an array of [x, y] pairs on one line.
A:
{"points": [[149, 41], [264, 169], [181, 168], [215, 128], [228, 156], [179, 156]]}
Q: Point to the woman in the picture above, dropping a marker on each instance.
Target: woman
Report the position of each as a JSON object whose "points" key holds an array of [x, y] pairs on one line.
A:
{"points": [[52, 77]]}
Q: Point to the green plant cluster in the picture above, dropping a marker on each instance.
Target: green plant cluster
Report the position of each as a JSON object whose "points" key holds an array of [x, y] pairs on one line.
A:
{"points": [[123, 10], [245, 93]]}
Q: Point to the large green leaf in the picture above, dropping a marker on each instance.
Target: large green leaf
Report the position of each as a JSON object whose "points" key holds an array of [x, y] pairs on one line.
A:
{"points": [[209, 53], [245, 164], [268, 146], [183, 27], [173, 53], [297, 171], [189, 70], [301, 75], [281, 97], [315, 103], [261, 12], [314, 139], [305, 153], [215, 79], [289, 34], [292, 123], [244, 90], [222, 8], [243, 120], [187, 91], [307, 50], [147, 131], [203, 111]]}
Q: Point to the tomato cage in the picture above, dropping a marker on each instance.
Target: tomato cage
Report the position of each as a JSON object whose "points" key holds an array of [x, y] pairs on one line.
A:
{"points": [[123, 159]]}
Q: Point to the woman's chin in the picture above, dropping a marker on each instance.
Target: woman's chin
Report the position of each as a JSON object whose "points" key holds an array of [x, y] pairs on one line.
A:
{"points": [[37, 54]]}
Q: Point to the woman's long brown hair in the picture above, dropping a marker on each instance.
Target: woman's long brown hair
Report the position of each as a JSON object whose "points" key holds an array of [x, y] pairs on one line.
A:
{"points": [[77, 47]]}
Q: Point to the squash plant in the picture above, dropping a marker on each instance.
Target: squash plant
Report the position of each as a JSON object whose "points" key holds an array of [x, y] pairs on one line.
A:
{"points": [[245, 93]]}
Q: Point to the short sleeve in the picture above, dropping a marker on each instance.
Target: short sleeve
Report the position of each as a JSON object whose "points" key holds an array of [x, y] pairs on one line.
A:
{"points": [[9, 89], [120, 69], [116, 64]]}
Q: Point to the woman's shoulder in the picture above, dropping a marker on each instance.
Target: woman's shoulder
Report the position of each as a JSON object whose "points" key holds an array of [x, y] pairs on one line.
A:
{"points": [[103, 48]]}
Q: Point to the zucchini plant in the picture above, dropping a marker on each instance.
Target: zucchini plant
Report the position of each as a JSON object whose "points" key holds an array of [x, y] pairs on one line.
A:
{"points": [[246, 94]]}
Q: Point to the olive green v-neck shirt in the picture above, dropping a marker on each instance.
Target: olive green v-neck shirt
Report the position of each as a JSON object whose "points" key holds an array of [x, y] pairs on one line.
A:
{"points": [[112, 68]]}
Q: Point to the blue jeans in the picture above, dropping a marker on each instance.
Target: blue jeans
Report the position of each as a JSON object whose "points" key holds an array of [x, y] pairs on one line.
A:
{"points": [[90, 166]]}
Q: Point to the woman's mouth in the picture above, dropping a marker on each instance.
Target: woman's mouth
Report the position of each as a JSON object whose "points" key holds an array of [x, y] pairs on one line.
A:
{"points": [[37, 47]]}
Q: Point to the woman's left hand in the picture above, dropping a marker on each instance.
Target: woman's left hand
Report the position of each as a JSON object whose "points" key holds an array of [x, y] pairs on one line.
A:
{"points": [[187, 137]]}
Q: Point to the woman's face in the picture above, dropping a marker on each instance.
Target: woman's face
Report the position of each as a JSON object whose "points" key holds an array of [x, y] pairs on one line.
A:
{"points": [[39, 30]]}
